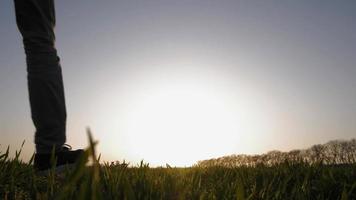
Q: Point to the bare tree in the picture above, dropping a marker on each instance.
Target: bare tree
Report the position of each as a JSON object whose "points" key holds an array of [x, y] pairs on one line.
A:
{"points": [[333, 152]]}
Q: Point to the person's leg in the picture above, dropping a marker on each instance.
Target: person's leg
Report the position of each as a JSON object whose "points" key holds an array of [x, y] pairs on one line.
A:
{"points": [[36, 21]]}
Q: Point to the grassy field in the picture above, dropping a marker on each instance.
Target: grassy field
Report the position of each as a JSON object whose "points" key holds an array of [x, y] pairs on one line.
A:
{"points": [[119, 181]]}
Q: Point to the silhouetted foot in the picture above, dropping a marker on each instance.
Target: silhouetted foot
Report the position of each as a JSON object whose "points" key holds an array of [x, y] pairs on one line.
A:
{"points": [[65, 158]]}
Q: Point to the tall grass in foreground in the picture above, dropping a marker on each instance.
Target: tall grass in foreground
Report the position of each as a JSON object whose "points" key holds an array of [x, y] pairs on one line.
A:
{"points": [[119, 181]]}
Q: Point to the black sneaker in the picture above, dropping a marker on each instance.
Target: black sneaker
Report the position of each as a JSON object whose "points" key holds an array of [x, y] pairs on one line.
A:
{"points": [[65, 158]]}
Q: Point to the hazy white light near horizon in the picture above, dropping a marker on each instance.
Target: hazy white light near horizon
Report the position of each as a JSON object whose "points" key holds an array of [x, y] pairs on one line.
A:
{"points": [[180, 120]]}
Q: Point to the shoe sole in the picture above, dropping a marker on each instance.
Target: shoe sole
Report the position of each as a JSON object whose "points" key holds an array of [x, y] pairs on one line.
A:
{"points": [[58, 170]]}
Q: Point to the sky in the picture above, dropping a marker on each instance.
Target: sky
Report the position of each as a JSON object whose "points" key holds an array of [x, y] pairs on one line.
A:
{"points": [[180, 81]]}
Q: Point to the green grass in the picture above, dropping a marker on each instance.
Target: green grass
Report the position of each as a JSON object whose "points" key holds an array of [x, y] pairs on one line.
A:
{"points": [[119, 181]]}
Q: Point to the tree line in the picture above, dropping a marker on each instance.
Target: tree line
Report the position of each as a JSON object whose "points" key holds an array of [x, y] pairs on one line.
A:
{"points": [[334, 152]]}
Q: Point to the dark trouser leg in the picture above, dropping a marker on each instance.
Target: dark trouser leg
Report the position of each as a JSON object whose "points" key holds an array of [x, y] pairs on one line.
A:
{"points": [[36, 21]]}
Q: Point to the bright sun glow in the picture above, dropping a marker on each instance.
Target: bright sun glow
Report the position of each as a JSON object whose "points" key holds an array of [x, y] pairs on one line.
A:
{"points": [[181, 114], [180, 123]]}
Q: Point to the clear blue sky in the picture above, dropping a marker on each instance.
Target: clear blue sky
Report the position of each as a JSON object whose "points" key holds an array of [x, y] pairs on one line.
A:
{"points": [[163, 79]]}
